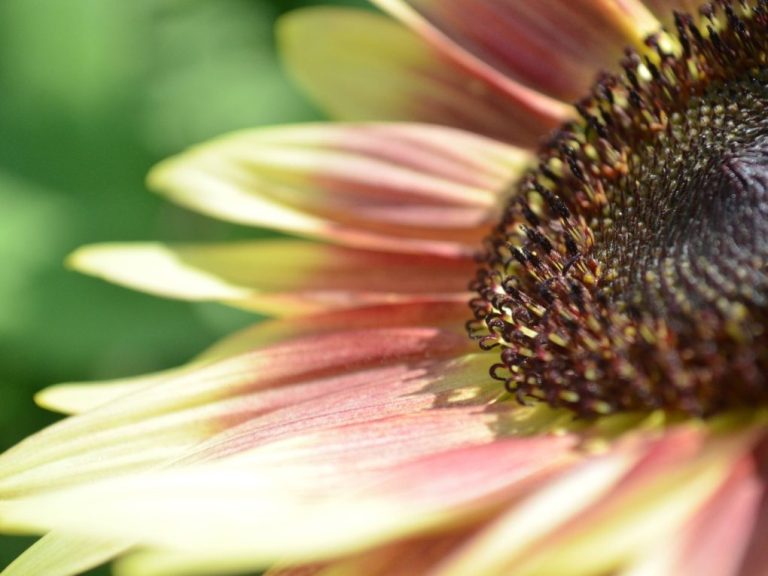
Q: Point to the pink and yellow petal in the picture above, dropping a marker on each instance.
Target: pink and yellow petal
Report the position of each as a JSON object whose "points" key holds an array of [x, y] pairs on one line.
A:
{"points": [[667, 485], [160, 423], [714, 541], [392, 187], [401, 411], [278, 277], [222, 394], [637, 521], [293, 519], [405, 556], [448, 315], [359, 65], [711, 543], [755, 555], [505, 543], [554, 46], [342, 415]]}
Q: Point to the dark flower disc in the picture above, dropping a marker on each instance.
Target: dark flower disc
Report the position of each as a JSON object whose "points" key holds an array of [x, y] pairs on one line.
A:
{"points": [[630, 268]]}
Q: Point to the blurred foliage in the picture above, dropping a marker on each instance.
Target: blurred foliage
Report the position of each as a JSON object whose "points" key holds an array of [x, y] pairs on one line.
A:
{"points": [[93, 93]]}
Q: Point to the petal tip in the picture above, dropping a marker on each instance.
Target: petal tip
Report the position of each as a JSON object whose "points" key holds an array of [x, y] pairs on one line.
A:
{"points": [[88, 259], [160, 177]]}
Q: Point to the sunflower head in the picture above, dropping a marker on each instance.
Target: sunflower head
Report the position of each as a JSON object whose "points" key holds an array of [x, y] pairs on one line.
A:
{"points": [[629, 269], [358, 432]]}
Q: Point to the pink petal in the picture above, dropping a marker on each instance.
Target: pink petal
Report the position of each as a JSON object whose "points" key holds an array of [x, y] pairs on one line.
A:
{"points": [[756, 556], [553, 46], [478, 474], [448, 315], [425, 406], [359, 65], [716, 538]]}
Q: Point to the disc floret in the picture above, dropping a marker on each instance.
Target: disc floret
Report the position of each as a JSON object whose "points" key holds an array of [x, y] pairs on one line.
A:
{"points": [[628, 271]]}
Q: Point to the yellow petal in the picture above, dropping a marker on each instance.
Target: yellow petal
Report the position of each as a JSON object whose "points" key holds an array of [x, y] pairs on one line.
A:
{"points": [[74, 398], [63, 554]]}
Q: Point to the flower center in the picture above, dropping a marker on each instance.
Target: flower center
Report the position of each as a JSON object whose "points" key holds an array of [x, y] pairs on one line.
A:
{"points": [[630, 270]]}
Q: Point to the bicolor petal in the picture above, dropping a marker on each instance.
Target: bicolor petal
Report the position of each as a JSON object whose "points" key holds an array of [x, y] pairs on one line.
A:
{"points": [[755, 557], [359, 65], [671, 480], [276, 277], [555, 47], [447, 315], [361, 433], [246, 498], [359, 410], [507, 540], [388, 187], [160, 423], [714, 541]]}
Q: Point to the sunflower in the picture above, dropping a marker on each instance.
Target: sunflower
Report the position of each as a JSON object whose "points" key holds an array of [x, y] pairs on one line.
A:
{"points": [[511, 335]]}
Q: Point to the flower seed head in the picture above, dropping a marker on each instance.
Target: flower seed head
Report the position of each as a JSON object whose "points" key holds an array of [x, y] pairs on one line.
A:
{"points": [[630, 269]]}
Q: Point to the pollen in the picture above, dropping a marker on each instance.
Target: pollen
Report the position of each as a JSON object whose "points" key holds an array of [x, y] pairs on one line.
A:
{"points": [[630, 268]]}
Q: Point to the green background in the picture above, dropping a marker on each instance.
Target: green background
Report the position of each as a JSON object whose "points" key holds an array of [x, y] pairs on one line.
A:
{"points": [[92, 94]]}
